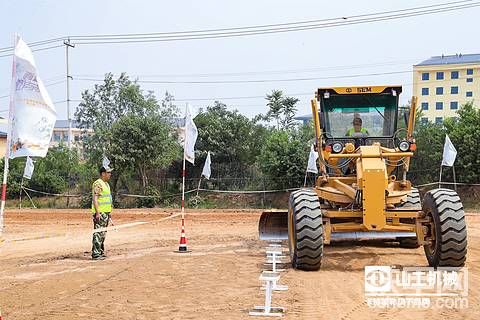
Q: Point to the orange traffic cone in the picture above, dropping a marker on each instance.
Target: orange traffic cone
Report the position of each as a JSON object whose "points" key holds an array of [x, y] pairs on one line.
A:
{"points": [[182, 248]]}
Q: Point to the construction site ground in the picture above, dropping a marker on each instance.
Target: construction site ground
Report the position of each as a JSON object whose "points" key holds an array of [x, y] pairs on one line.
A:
{"points": [[143, 278]]}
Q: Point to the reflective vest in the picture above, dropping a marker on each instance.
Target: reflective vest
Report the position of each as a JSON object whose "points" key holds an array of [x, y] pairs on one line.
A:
{"points": [[352, 130], [105, 197]]}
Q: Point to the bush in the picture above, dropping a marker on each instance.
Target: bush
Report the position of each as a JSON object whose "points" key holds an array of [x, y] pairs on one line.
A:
{"points": [[152, 200]]}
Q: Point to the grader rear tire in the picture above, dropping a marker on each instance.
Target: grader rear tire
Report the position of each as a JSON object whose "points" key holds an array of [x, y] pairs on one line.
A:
{"points": [[305, 230], [448, 228]]}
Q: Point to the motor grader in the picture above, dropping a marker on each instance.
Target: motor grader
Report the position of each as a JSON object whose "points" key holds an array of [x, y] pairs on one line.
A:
{"points": [[362, 191]]}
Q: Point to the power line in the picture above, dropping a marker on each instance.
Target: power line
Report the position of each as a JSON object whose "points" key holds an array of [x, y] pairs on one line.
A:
{"points": [[284, 71], [34, 50], [259, 29], [220, 33], [254, 81]]}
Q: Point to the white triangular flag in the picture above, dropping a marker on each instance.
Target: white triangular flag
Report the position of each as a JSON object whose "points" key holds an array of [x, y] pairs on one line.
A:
{"points": [[312, 161], [32, 113], [191, 134], [207, 171], [106, 162], [29, 166], [449, 153]]}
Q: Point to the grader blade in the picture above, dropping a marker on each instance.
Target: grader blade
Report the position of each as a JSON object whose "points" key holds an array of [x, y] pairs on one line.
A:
{"points": [[273, 225]]}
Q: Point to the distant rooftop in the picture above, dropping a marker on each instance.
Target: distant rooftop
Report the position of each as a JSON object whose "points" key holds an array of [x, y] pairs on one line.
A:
{"points": [[63, 124], [452, 59]]}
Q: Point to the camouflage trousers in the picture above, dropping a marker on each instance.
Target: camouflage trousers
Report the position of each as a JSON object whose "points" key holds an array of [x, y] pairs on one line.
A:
{"points": [[99, 237]]}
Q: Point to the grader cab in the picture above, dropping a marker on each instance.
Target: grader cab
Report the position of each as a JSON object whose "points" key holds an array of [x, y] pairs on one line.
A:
{"points": [[362, 191]]}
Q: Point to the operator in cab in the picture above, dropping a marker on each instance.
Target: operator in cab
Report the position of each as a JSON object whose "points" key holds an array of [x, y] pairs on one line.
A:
{"points": [[357, 131]]}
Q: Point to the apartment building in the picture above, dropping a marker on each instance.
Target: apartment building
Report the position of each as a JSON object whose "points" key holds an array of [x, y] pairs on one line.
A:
{"points": [[444, 83]]}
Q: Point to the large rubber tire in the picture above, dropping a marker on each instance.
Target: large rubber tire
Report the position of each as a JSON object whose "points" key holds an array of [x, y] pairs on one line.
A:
{"points": [[450, 246], [305, 230], [413, 202]]}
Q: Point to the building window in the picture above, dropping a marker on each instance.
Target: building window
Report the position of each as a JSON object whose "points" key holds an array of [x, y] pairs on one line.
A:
{"points": [[439, 90], [57, 136], [424, 91], [424, 105], [454, 90], [454, 105], [438, 120], [469, 79], [439, 106], [424, 120], [469, 94], [440, 75], [469, 71], [425, 76], [454, 75]]}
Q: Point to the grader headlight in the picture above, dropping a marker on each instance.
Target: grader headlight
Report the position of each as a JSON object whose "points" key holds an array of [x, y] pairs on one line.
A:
{"points": [[404, 146]]}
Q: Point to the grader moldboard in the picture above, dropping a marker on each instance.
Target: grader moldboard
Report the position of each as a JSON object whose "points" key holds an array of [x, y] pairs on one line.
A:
{"points": [[362, 192]]}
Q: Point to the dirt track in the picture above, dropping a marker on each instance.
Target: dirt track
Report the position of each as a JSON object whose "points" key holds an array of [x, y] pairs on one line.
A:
{"points": [[54, 278]]}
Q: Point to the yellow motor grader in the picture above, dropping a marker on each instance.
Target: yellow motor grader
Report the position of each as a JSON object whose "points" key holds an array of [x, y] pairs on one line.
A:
{"points": [[362, 192]]}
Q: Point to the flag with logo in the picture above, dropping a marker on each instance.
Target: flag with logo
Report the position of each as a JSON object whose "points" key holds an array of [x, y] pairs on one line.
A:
{"points": [[312, 161], [207, 171], [32, 114], [449, 153], [191, 134], [29, 167]]}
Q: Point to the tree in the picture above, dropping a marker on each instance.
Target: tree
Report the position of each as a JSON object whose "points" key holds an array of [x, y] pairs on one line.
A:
{"points": [[230, 136], [110, 110], [144, 143], [283, 158], [464, 132], [281, 109]]}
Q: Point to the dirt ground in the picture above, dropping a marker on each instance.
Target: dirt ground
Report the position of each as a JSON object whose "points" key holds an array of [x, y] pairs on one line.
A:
{"points": [[54, 278]]}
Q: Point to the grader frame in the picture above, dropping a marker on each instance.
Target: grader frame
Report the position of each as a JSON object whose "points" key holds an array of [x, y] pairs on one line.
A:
{"points": [[367, 201]]}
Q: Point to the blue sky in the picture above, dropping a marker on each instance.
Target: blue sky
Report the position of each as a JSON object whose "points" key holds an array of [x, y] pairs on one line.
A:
{"points": [[379, 47]]}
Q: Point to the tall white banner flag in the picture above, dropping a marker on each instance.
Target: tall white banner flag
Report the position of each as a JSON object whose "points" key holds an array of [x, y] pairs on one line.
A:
{"points": [[29, 166], [449, 153], [190, 137], [32, 113], [312, 161], [207, 171]]}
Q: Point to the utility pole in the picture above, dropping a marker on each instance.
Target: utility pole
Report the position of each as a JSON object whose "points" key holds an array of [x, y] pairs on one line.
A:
{"points": [[69, 119]]}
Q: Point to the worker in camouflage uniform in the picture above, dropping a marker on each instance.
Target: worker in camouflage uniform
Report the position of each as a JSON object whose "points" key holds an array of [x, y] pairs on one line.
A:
{"points": [[101, 211]]}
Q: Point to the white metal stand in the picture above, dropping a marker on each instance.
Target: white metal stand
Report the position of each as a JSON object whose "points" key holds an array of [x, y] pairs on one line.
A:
{"points": [[267, 310]]}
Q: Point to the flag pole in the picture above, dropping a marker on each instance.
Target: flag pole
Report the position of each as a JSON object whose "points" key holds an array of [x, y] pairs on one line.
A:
{"points": [[21, 188], [305, 181], [199, 182], [440, 180], [183, 239], [7, 151], [454, 178]]}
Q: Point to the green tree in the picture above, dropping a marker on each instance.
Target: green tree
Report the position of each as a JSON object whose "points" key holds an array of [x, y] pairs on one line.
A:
{"points": [[112, 107], [230, 136], [284, 157], [464, 132], [144, 143], [281, 109]]}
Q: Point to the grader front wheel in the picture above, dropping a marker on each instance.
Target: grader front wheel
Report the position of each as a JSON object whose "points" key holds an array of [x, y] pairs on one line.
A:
{"points": [[305, 230], [447, 231]]}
